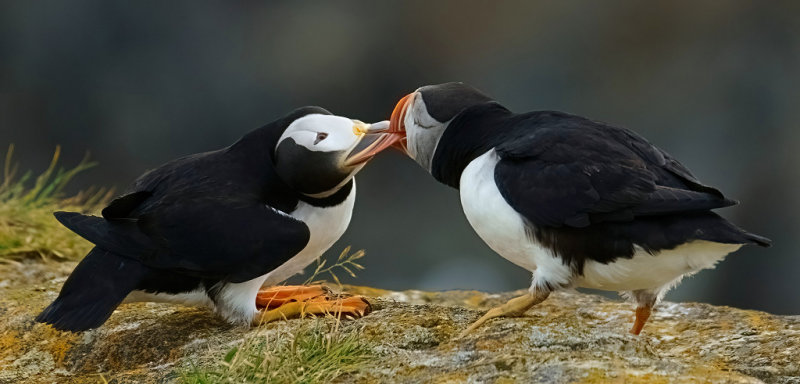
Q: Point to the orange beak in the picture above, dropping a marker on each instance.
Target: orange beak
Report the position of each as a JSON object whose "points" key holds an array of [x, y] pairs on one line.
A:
{"points": [[374, 139], [397, 121]]}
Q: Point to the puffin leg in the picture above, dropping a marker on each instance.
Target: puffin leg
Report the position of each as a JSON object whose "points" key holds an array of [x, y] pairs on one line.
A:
{"points": [[514, 307], [645, 301], [642, 314], [276, 296], [351, 306]]}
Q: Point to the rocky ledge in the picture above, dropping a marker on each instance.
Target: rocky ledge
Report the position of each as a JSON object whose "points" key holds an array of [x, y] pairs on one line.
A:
{"points": [[571, 337]]}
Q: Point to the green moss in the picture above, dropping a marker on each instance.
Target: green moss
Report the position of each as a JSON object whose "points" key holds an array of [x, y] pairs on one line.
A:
{"points": [[310, 354], [9, 243]]}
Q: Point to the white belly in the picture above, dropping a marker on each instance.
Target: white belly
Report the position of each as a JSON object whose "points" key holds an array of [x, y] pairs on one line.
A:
{"points": [[500, 226], [503, 229], [646, 271], [238, 301], [327, 225]]}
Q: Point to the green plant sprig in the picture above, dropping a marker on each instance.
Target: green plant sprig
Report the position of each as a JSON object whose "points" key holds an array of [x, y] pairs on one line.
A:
{"points": [[346, 261]]}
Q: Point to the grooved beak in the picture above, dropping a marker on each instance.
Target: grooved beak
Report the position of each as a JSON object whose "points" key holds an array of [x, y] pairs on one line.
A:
{"points": [[397, 120], [375, 138]]}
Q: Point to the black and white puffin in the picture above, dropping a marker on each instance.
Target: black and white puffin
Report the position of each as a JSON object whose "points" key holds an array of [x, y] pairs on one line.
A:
{"points": [[577, 202], [212, 228]]}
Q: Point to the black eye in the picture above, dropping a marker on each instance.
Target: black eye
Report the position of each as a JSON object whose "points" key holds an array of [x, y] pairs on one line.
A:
{"points": [[320, 136]]}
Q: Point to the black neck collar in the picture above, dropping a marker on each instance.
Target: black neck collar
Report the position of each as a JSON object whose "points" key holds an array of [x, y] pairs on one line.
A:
{"points": [[470, 134], [335, 199]]}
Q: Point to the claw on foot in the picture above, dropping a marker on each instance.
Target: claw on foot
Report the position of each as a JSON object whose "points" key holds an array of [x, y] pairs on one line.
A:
{"points": [[514, 307]]}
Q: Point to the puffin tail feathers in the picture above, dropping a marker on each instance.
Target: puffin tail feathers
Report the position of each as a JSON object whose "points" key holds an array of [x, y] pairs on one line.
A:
{"points": [[758, 240], [94, 289]]}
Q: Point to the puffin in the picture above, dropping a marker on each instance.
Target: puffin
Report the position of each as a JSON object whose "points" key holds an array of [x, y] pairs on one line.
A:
{"points": [[212, 228], [577, 202]]}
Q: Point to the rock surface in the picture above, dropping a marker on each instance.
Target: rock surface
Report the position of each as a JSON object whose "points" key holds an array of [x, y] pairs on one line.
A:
{"points": [[571, 337]]}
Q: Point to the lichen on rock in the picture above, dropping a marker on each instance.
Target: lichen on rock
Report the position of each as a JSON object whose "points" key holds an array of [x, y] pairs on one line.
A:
{"points": [[571, 337]]}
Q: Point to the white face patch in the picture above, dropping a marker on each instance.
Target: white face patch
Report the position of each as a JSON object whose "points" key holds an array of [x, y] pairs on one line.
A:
{"points": [[422, 132], [322, 133]]}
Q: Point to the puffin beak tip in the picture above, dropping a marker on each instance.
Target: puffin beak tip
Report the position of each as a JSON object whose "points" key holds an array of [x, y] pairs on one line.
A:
{"points": [[375, 138], [380, 135]]}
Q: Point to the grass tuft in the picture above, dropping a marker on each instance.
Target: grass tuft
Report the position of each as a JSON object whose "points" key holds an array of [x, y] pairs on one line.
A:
{"points": [[317, 353], [347, 261], [310, 354], [27, 225]]}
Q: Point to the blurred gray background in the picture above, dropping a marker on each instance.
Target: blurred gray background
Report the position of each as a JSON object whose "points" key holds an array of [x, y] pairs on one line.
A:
{"points": [[717, 84]]}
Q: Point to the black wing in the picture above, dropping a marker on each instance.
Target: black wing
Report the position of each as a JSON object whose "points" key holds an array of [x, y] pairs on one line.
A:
{"points": [[567, 171], [230, 243], [199, 216]]}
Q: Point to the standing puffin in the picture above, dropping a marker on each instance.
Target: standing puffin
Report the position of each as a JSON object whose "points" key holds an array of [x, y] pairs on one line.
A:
{"points": [[577, 202], [212, 228]]}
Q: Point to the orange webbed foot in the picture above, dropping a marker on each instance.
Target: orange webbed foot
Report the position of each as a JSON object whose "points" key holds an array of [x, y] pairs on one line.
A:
{"points": [[287, 302], [274, 297]]}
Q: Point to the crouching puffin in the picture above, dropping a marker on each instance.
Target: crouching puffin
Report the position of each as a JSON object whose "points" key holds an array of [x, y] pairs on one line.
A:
{"points": [[213, 228], [577, 202]]}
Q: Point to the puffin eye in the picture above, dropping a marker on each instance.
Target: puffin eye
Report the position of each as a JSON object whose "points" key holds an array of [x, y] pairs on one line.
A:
{"points": [[320, 136]]}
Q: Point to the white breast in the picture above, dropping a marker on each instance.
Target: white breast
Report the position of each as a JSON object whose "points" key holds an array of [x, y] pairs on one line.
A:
{"points": [[326, 226], [500, 226], [238, 301]]}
